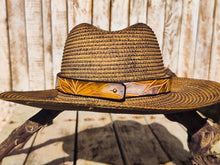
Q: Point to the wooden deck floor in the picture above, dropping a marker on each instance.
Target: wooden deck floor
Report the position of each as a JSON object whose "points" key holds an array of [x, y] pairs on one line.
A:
{"points": [[88, 138]]}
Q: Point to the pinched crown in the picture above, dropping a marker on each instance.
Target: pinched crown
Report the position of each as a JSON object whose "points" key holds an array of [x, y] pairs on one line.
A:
{"points": [[131, 54]]}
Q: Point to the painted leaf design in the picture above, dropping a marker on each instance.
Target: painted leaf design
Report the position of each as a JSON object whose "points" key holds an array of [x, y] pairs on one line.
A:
{"points": [[98, 89], [84, 88]]}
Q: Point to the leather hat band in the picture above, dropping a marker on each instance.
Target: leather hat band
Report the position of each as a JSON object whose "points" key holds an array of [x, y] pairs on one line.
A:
{"points": [[115, 91]]}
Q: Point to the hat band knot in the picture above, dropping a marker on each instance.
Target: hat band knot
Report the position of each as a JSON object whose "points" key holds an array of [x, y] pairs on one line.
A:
{"points": [[112, 90]]}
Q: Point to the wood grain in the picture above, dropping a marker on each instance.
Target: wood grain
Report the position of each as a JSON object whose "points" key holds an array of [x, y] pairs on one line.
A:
{"points": [[138, 144], [5, 68], [70, 14], [17, 45], [101, 14], [215, 54], [34, 35], [82, 12], [138, 11], [171, 38], [59, 33], [47, 44], [204, 39], [119, 14], [96, 140], [172, 137], [188, 38], [7, 110], [5, 79], [155, 18]]}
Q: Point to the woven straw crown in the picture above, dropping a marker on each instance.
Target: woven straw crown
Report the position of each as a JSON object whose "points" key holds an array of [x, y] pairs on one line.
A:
{"points": [[132, 54]]}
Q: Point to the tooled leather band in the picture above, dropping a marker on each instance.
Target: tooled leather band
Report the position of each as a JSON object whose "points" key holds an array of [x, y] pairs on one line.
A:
{"points": [[115, 91]]}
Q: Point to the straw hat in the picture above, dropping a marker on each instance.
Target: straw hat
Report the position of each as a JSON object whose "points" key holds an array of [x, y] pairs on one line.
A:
{"points": [[120, 72]]}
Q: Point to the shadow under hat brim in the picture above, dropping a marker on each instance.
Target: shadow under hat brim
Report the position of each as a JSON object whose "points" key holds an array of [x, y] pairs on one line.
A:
{"points": [[186, 94]]}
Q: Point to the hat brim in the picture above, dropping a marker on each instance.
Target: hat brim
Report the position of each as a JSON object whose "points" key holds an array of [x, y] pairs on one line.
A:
{"points": [[186, 94]]}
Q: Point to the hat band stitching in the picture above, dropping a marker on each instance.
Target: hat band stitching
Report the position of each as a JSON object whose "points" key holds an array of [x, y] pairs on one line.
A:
{"points": [[112, 90]]}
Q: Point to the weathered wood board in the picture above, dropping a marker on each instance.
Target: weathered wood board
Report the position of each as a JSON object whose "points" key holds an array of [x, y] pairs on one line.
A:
{"points": [[171, 36], [215, 53], [101, 14], [34, 36], [96, 140], [204, 39], [47, 44], [172, 137], [189, 24], [5, 79], [20, 115], [156, 11], [59, 33], [101, 139], [119, 14], [138, 144], [54, 144], [17, 45], [137, 11]]}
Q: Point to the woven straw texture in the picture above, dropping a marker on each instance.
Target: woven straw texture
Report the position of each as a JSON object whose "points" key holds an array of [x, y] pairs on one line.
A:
{"points": [[131, 54]]}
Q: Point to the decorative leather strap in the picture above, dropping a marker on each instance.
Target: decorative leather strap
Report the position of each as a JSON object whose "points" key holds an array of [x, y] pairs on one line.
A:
{"points": [[115, 91]]}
